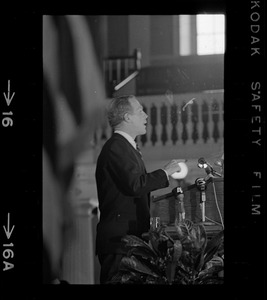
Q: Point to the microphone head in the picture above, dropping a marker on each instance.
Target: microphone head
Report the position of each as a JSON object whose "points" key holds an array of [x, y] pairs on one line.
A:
{"points": [[200, 182], [202, 161]]}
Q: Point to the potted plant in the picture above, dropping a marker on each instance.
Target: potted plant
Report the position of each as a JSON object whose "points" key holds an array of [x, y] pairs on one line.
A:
{"points": [[188, 258]]}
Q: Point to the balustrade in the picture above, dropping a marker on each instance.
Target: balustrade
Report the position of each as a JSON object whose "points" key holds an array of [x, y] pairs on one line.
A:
{"points": [[179, 120]]}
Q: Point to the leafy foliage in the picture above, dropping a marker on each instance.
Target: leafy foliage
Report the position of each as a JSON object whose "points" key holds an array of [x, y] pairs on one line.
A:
{"points": [[188, 259]]}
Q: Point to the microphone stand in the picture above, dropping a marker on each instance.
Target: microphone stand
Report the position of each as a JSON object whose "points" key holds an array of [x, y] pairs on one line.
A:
{"points": [[201, 183], [179, 195], [173, 193], [201, 186]]}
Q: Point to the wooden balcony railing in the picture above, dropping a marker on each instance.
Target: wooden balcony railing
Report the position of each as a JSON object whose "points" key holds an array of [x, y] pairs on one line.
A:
{"points": [[179, 122]]}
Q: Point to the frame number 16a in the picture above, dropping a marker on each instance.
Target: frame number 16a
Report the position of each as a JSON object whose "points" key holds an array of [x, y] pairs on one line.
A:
{"points": [[8, 252]]}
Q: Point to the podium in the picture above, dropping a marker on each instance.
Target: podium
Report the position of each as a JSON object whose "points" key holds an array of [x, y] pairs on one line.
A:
{"points": [[166, 206]]}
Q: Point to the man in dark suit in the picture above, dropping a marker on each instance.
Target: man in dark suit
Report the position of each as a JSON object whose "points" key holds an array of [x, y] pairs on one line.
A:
{"points": [[123, 184]]}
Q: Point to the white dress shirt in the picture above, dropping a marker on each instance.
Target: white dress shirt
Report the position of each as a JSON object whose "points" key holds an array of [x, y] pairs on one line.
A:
{"points": [[127, 136]]}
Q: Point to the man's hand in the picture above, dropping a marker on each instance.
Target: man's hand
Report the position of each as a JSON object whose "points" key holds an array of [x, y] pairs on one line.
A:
{"points": [[173, 166]]}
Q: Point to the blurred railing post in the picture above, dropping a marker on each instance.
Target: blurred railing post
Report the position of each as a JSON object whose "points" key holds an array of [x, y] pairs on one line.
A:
{"points": [[120, 68]]}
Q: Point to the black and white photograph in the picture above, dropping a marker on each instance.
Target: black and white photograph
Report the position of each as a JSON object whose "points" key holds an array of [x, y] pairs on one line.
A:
{"points": [[133, 150]]}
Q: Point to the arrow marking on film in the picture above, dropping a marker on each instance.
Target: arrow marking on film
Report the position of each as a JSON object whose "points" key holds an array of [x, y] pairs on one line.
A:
{"points": [[7, 231], [7, 97]]}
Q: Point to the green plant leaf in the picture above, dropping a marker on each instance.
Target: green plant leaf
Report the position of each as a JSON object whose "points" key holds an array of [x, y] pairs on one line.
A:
{"points": [[134, 241], [131, 277], [215, 261], [213, 246], [199, 262], [117, 278], [190, 259], [157, 266], [183, 230], [157, 239], [133, 264], [182, 276], [172, 263], [200, 243], [210, 273], [170, 270], [201, 236], [177, 250], [144, 252], [187, 259]]}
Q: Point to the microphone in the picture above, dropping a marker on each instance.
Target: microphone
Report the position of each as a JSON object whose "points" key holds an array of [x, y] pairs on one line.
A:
{"points": [[179, 195], [201, 185], [202, 163]]}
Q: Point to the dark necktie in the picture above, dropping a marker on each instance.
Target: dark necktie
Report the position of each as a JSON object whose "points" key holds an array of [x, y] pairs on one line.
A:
{"points": [[138, 149]]}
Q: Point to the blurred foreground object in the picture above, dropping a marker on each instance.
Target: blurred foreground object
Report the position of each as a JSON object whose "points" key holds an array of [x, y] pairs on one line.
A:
{"points": [[73, 108]]}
